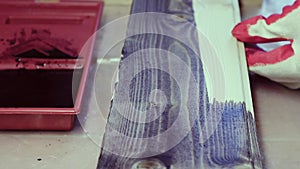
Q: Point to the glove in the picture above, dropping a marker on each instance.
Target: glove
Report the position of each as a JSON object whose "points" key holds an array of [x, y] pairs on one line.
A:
{"points": [[282, 64]]}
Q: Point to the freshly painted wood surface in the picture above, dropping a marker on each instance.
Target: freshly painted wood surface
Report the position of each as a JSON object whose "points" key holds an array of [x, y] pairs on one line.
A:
{"points": [[208, 135]]}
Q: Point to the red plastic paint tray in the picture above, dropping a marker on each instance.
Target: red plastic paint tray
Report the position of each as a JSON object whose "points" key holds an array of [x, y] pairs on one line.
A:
{"points": [[42, 68]]}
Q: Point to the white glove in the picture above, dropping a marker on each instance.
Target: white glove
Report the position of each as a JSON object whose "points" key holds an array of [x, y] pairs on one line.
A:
{"points": [[283, 63]]}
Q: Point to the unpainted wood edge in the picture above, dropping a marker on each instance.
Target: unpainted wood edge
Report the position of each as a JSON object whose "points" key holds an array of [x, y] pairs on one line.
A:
{"points": [[247, 92], [243, 62]]}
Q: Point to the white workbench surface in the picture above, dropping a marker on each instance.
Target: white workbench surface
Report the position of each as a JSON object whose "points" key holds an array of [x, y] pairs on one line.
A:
{"points": [[277, 111]]}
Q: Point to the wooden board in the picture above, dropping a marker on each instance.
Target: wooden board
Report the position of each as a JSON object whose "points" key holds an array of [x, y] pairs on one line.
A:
{"points": [[161, 111]]}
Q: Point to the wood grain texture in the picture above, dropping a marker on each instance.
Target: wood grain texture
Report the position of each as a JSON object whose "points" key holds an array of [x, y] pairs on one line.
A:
{"points": [[167, 115]]}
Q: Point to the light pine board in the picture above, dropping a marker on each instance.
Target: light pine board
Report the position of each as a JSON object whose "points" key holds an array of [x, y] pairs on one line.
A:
{"points": [[216, 25], [232, 144]]}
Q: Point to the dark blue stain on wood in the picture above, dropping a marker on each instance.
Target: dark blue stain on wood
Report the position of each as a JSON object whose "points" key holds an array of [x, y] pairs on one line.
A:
{"points": [[169, 114], [220, 135], [228, 147]]}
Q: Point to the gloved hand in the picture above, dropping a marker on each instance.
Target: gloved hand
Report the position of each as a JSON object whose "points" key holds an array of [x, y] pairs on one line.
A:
{"points": [[283, 63]]}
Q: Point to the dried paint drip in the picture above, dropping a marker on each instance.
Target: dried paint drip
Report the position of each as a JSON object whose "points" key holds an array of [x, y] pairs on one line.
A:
{"points": [[36, 43], [37, 49]]}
